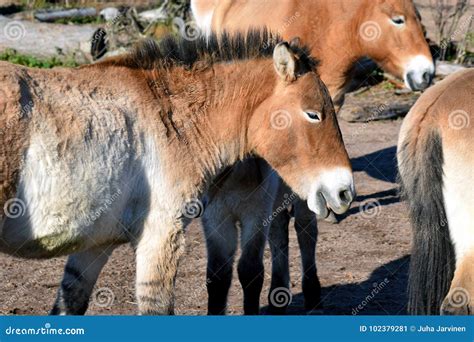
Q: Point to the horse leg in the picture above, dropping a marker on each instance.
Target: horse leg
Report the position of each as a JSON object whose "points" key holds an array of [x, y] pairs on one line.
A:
{"points": [[459, 205], [307, 233], [158, 250], [221, 241], [80, 275], [278, 241], [460, 298], [250, 268]]}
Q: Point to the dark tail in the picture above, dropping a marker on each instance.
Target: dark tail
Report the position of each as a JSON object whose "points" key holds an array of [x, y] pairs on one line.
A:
{"points": [[432, 259]]}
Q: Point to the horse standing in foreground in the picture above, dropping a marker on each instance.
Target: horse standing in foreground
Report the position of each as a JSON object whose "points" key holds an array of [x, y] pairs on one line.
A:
{"points": [[436, 163], [340, 33], [110, 153]]}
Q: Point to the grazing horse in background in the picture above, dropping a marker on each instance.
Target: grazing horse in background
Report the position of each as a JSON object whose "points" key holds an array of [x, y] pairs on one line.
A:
{"points": [[110, 153], [436, 163], [340, 33]]}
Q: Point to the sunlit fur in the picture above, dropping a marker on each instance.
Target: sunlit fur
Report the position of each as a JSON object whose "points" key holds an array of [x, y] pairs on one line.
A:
{"points": [[436, 165], [110, 153], [339, 33]]}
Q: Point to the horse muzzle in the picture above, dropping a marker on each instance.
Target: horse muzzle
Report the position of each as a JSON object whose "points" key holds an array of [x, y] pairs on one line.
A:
{"points": [[333, 190], [419, 73]]}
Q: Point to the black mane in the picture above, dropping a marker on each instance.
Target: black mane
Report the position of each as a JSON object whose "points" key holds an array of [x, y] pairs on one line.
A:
{"points": [[172, 51]]}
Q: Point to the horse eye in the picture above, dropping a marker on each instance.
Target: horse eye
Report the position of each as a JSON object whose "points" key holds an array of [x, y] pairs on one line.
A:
{"points": [[399, 20], [314, 116]]}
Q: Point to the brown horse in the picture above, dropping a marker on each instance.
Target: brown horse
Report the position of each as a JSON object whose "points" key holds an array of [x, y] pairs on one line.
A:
{"points": [[339, 32], [113, 152], [436, 163]]}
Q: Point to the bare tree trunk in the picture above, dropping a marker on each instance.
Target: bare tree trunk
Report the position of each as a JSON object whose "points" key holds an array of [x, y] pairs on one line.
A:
{"points": [[446, 18]]}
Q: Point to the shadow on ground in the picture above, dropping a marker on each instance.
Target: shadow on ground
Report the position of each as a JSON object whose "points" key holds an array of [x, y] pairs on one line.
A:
{"points": [[383, 293], [381, 164]]}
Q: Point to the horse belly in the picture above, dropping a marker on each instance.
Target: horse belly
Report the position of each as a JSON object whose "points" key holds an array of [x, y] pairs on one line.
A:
{"points": [[66, 203]]}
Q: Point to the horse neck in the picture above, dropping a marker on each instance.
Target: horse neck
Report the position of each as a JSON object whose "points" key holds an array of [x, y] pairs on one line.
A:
{"points": [[212, 109], [336, 46]]}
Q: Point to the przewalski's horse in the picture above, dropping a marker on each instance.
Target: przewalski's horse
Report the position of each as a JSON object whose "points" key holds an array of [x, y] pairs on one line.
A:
{"points": [[436, 163], [340, 33], [111, 153]]}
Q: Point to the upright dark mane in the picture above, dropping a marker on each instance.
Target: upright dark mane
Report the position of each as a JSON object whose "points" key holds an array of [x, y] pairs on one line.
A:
{"points": [[171, 51]]}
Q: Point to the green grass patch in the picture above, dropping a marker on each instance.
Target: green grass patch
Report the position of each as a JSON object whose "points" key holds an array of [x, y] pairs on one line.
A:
{"points": [[13, 56], [386, 85], [80, 20]]}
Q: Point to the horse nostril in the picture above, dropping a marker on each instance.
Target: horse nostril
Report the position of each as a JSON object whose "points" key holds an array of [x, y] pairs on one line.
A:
{"points": [[411, 83], [345, 196], [427, 77]]}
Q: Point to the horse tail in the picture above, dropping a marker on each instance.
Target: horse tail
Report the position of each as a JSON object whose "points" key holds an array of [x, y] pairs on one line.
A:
{"points": [[432, 264]]}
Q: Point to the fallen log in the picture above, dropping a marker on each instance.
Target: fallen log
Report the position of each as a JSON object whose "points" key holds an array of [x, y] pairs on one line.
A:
{"points": [[44, 40], [50, 16]]}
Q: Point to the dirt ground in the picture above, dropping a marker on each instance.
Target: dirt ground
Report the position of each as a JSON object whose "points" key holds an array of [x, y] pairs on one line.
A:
{"points": [[370, 246]]}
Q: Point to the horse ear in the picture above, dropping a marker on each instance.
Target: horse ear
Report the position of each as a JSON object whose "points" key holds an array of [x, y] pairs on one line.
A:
{"points": [[295, 42], [284, 61]]}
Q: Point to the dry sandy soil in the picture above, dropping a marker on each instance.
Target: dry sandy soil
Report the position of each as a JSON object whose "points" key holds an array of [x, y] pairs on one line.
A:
{"points": [[369, 246]]}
